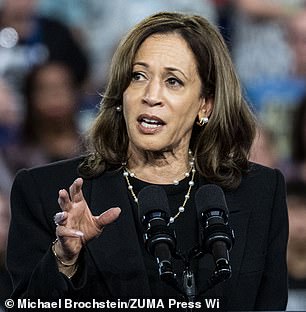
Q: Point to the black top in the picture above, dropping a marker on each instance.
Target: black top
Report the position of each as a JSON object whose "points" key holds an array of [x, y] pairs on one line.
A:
{"points": [[185, 227], [114, 265]]}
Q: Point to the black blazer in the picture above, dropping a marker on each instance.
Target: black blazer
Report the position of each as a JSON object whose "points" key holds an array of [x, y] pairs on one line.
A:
{"points": [[112, 265]]}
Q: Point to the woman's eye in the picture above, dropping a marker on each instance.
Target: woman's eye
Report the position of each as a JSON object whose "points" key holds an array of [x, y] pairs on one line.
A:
{"points": [[136, 76], [174, 82]]}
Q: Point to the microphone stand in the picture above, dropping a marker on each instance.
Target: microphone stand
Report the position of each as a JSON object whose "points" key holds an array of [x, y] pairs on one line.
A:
{"points": [[189, 285], [188, 288], [167, 275]]}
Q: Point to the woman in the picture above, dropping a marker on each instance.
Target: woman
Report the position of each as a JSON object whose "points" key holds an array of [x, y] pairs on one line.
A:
{"points": [[50, 129], [172, 96], [51, 94]]}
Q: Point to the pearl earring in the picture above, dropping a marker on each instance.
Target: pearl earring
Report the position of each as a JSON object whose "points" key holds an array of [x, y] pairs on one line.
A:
{"points": [[202, 121]]}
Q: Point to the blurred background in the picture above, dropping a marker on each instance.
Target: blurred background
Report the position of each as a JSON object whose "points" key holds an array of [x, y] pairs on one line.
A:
{"points": [[54, 62]]}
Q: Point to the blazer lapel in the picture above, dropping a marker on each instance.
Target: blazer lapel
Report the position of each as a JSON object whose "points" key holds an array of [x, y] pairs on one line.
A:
{"points": [[117, 252], [239, 214]]}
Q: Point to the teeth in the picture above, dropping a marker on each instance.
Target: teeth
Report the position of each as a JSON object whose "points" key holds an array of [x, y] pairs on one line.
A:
{"points": [[149, 125], [151, 121]]}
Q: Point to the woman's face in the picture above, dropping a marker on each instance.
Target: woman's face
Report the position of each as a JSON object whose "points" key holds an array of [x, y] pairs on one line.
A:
{"points": [[163, 98], [54, 94]]}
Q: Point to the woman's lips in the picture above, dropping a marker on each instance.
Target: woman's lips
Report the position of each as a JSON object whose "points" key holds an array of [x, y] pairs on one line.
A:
{"points": [[148, 124]]}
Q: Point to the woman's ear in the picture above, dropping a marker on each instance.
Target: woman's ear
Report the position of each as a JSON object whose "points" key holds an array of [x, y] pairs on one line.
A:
{"points": [[205, 110]]}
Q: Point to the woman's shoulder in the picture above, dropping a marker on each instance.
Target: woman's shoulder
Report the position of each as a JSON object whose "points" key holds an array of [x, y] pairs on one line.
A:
{"points": [[262, 178], [261, 189], [261, 171], [55, 173], [66, 165]]}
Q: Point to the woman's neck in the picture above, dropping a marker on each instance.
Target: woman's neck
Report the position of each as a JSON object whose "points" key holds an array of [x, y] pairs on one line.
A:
{"points": [[160, 168]]}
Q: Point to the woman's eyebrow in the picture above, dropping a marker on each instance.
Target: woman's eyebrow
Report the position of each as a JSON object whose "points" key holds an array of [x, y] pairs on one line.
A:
{"points": [[168, 68]]}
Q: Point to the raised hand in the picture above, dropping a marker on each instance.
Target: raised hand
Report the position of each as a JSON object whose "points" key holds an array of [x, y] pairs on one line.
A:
{"points": [[75, 224]]}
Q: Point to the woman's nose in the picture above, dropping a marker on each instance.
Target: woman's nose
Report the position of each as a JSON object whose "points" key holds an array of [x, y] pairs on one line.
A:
{"points": [[153, 93]]}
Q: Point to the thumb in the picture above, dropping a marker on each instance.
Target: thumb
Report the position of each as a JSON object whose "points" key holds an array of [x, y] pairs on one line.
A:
{"points": [[108, 216]]}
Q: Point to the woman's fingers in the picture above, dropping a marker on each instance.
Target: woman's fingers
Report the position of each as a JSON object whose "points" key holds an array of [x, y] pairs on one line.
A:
{"points": [[63, 232], [75, 190], [108, 216], [64, 200], [76, 220], [75, 195], [61, 218]]}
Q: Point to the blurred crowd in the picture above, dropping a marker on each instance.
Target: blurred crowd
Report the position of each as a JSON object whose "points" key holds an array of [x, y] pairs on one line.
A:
{"points": [[54, 61]]}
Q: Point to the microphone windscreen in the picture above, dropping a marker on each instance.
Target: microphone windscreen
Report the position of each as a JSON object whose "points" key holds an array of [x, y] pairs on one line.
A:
{"points": [[210, 197], [152, 198]]}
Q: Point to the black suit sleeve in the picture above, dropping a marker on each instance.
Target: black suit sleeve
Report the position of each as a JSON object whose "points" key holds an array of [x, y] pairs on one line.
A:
{"points": [[30, 260], [273, 291]]}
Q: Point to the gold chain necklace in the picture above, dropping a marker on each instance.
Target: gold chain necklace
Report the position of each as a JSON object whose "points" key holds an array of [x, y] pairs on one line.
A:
{"points": [[127, 173]]}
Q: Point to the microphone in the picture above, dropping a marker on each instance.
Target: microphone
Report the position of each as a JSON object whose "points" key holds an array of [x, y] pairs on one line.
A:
{"points": [[160, 241], [217, 237]]}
